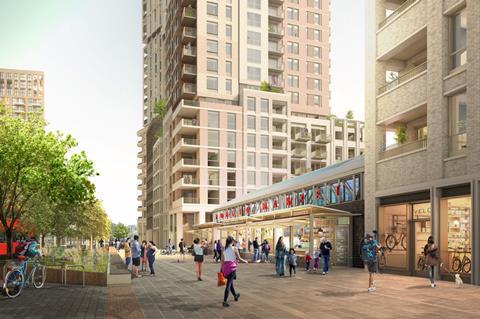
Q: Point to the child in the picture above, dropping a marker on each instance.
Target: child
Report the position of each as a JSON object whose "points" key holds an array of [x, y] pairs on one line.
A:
{"points": [[308, 258], [316, 257], [292, 261]]}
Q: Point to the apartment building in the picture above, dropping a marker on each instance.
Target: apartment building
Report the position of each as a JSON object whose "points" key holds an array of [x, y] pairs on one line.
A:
{"points": [[23, 90], [422, 154], [245, 86]]}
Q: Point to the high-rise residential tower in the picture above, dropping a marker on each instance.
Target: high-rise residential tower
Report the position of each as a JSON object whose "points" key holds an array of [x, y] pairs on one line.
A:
{"points": [[23, 90], [245, 86], [422, 159]]}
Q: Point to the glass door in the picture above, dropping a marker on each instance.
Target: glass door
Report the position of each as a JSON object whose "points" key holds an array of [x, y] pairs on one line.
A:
{"points": [[422, 229]]}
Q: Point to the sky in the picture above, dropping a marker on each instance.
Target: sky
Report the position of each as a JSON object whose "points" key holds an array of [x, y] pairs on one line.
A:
{"points": [[91, 54]]}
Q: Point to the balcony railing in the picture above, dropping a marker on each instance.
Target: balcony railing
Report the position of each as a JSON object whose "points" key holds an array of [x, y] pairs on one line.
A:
{"points": [[190, 69], [190, 12], [299, 152], [189, 161], [190, 122], [275, 30], [189, 50], [457, 144], [275, 65], [190, 32], [276, 13], [190, 200], [396, 13], [302, 136], [276, 48], [399, 149], [278, 129], [403, 78], [323, 138], [190, 88], [190, 141], [302, 170], [188, 180], [278, 147]]}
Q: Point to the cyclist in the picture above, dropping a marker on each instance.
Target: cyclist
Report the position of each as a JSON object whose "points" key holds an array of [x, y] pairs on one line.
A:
{"points": [[28, 248]]}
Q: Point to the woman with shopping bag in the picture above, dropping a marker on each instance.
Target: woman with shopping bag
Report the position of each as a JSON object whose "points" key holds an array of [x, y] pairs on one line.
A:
{"points": [[229, 269]]}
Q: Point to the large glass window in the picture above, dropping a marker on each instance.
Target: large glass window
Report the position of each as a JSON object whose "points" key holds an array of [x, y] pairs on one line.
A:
{"points": [[459, 39], [212, 27], [231, 137], [254, 56], [458, 124], [264, 141], [264, 105], [264, 123], [213, 119], [212, 83], [292, 47], [251, 178], [251, 122], [292, 13], [231, 159], [251, 104], [264, 160], [231, 121], [213, 138], [292, 30], [212, 46], [213, 178], [228, 68], [264, 178], [231, 179], [228, 50], [254, 38], [212, 65], [253, 73], [213, 158], [254, 19], [393, 235], [212, 8], [254, 4], [292, 64], [228, 31], [251, 140], [251, 159]]}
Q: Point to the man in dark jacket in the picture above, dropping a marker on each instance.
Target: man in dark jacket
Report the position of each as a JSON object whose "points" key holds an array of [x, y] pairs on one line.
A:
{"points": [[325, 248], [256, 250]]}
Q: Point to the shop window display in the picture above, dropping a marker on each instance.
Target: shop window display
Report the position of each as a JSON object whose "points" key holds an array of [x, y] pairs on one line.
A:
{"points": [[393, 235], [455, 234], [423, 229]]}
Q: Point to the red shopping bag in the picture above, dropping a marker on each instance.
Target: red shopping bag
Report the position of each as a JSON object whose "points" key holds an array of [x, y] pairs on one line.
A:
{"points": [[221, 281]]}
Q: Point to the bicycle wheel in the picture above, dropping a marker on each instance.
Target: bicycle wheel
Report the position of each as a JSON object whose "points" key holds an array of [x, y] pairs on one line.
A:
{"points": [[13, 284], [383, 260], [421, 263], [456, 264], [391, 242], [467, 266], [404, 242], [39, 275]]}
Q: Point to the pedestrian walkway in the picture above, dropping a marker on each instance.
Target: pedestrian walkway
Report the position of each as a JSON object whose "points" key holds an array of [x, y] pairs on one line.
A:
{"points": [[175, 293]]}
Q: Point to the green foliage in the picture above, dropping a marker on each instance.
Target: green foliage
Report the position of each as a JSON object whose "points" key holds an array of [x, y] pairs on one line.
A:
{"points": [[331, 116], [349, 115], [119, 231], [159, 109], [265, 86], [401, 134]]}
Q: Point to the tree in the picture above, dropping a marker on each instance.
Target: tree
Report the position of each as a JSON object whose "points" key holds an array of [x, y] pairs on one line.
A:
{"points": [[159, 109], [349, 115], [267, 87], [119, 231], [37, 166], [400, 134]]}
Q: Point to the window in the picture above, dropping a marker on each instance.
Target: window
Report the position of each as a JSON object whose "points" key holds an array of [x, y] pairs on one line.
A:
{"points": [[292, 30], [212, 8], [292, 14], [212, 27], [228, 31], [457, 119], [313, 99], [314, 18], [264, 105], [213, 119], [317, 4], [230, 195], [264, 160], [251, 140], [459, 39], [294, 97], [228, 13], [213, 138], [254, 38], [231, 139], [212, 65], [314, 68], [231, 179], [213, 197], [251, 122], [314, 52], [255, 4], [254, 19], [264, 177], [264, 141], [264, 123], [212, 83], [314, 34], [251, 178], [213, 178], [292, 47], [338, 153], [212, 46], [213, 158], [313, 84], [231, 121], [228, 68], [251, 104], [254, 56], [253, 73], [293, 81], [228, 50], [251, 159], [228, 85], [292, 64], [231, 159], [294, 1]]}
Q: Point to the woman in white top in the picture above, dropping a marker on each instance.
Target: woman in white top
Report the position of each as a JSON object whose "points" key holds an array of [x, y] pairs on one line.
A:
{"points": [[198, 257], [229, 268]]}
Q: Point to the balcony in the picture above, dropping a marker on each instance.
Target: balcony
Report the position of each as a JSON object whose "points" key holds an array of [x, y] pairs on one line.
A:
{"points": [[185, 200], [189, 35], [403, 78], [302, 136], [186, 108], [189, 54], [186, 127], [186, 165], [188, 3], [186, 182], [189, 16], [299, 152], [275, 14], [275, 66], [319, 154], [275, 30], [189, 90], [275, 49], [189, 72], [186, 144], [400, 149], [457, 144], [396, 13], [302, 170], [322, 138], [401, 28]]}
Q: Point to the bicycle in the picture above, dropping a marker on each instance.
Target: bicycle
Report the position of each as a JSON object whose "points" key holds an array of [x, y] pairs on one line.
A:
{"points": [[463, 265], [421, 266], [382, 259], [15, 277], [393, 241]]}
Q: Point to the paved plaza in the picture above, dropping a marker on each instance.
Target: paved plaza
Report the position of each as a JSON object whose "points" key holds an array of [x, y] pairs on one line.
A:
{"points": [[175, 293]]}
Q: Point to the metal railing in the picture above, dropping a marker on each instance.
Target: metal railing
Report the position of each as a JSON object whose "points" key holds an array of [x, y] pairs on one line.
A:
{"points": [[275, 48], [323, 138], [189, 69], [457, 144], [403, 78], [189, 141], [189, 161], [189, 180], [190, 122], [398, 149], [189, 88], [189, 50], [396, 13], [190, 200], [190, 32], [189, 12]]}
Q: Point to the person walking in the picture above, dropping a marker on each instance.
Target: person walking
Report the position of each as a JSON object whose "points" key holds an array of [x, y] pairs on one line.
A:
{"points": [[205, 247], [136, 254], [219, 250], [369, 256], [143, 251], [198, 257], [181, 247], [256, 248], [151, 251], [266, 250], [280, 251], [316, 258], [170, 246], [215, 253], [292, 262], [308, 259], [229, 269], [128, 253], [325, 248], [431, 259]]}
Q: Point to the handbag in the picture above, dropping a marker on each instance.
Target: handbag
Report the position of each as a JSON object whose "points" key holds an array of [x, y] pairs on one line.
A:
{"points": [[221, 281]]}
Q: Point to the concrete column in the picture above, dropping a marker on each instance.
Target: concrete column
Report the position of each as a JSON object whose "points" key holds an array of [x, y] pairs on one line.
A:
{"points": [[310, 233], [475, 236], [435, 195], [179, 230]]}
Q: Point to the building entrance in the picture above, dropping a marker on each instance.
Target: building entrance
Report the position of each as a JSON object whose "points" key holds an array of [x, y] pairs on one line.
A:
{"points": [[420, 230]]}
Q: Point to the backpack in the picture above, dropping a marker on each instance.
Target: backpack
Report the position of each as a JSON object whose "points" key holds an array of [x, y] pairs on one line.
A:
{"points": [[21, 248], [266, 247], [369, 252]]}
